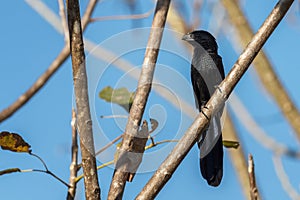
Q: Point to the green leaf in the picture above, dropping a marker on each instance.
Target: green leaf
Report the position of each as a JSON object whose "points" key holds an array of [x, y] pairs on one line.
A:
{"points": [[13, 142], [119, 96], [231, 144]]}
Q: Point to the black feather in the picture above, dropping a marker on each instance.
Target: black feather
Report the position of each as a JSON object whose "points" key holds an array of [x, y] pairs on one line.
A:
{"points": [[207, 72]]}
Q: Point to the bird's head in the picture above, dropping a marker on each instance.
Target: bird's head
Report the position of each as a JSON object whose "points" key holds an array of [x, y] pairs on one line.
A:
{"points": [[203, 38]]}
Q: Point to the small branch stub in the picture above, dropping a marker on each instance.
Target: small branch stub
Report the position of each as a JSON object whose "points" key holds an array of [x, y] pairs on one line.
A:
{"points": [[253, 188]]}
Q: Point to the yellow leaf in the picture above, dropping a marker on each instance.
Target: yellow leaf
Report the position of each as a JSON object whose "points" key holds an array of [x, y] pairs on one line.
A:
{"points": [[13, 142]]}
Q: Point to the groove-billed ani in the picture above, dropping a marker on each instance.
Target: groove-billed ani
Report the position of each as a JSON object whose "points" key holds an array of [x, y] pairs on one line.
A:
{"points": [[206, 74]]}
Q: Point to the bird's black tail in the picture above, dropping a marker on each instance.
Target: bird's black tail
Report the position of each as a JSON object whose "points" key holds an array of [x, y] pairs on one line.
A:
{"points": [[211, 165]]}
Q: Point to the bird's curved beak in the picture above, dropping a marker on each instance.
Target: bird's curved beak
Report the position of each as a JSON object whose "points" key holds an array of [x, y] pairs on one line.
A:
{"points": [[187, 37]]}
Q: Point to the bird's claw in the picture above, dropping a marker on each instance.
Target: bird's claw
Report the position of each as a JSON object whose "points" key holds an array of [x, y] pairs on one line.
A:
{"points": [[205, 114], [218, 88]]}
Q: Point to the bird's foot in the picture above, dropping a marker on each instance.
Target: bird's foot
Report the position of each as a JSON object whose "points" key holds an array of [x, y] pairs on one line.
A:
{"points": [[202, 107], [219, 89]]}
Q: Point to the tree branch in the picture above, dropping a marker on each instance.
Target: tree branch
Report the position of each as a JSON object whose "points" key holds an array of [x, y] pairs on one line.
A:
{"points": [[251, 171], [84, 125], [263, 67], [132, 139], [167, 168], [41, 81], [109, 144], [150, 146], [74, 162]]}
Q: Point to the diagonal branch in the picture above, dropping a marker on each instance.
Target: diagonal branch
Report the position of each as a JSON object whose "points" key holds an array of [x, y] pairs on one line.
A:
{"points": [[41, 81], [237, 156], [84, 122], [133, 141], [167, 168], [263, 67]]}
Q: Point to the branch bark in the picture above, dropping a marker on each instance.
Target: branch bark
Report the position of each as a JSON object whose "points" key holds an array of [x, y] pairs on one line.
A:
{"points": [[84, 125], [167, 168], [133, 143], [41, 81], [253, 188], [263, 67], [74, 159]]}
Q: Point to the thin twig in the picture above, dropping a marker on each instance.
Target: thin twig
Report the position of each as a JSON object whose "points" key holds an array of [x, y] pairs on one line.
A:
{"points": [[78, 178], [63, 17], [84, 122], [167, 168], [122, 17], [133, 139], [104, 148], [74, 159], [152, 140], [47, 172], [40, 159], [113, 116], [46, 169], [150, 146], [109, 144], [154, 144], [41, 81], [263, 67], [251, 172]]}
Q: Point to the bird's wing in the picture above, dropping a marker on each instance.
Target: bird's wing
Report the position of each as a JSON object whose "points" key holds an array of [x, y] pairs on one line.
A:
{"points": [[201, 92]]}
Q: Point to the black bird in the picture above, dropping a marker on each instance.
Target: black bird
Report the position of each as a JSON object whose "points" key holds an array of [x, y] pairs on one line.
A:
{"points": [[207, 72]]}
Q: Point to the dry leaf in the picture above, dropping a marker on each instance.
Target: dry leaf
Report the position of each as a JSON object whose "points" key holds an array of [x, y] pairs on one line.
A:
{"points": [[13, 142]]}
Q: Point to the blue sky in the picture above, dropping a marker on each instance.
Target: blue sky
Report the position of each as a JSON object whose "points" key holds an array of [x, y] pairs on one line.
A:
{"points": [[30, 44]]}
